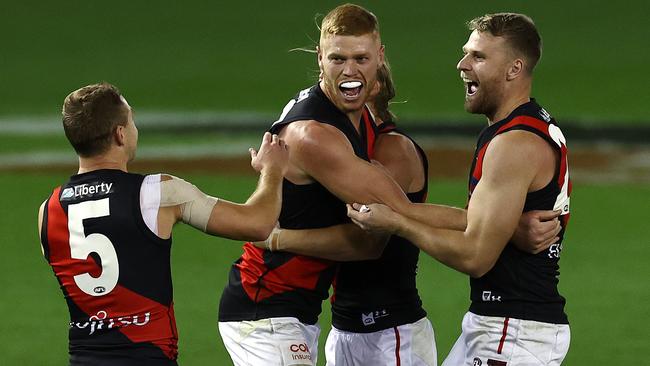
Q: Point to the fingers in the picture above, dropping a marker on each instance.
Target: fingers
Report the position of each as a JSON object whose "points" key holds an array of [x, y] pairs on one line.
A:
{"points": [[266, 138], [546, 244], [550, 229], [353, 212], [548, 215], [253, 153], [274, 139], [351, 209]]}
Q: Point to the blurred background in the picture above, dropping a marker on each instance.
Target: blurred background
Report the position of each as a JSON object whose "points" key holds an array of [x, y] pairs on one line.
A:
{"points": [[206, 78]]}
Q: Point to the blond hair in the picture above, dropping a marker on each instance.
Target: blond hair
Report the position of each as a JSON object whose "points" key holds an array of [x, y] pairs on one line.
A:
{"points": [[519, 31], [349, 20]]}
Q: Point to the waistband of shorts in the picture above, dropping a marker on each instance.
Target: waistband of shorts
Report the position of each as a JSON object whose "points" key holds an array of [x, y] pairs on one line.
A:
{"points": [[541, 312]]}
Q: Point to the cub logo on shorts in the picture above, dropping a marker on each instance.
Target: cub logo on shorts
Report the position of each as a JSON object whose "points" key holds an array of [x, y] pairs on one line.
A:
{"points": [[477, 362]]}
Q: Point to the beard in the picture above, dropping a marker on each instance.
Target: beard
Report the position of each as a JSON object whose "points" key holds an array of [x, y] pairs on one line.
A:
{"points": [[485, 101]]}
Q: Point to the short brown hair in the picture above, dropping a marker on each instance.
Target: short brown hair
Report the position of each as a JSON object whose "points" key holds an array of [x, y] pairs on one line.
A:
{"points": [[349, 20], [518, 29], [90, 115], [386, 93]]}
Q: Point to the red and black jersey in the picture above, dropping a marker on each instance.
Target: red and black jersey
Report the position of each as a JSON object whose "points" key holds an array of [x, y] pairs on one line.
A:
{"points": [[380, 294], [113, 271], [264, 284], [523, 285]]}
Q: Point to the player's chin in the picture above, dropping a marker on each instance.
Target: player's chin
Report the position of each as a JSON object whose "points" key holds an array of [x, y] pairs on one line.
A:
{"points": [[351, 105]]}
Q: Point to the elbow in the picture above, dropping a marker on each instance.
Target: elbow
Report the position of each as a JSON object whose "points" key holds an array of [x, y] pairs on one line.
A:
{"points": [[260, 232], [371, 253], [477, 268], [375, 247], [476, 272]]}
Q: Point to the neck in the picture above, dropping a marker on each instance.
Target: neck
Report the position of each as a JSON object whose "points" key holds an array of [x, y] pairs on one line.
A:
{"points": [[355, 118], [510, 104], [100, 162]]}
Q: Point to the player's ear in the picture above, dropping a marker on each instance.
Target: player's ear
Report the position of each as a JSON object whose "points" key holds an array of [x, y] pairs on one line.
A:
{"points": [[120, 135], [515, 70], [319, 55], [381, 55]]}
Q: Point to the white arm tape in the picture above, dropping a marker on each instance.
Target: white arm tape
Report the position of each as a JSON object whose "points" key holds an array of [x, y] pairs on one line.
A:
{"points": [[196, 206]]}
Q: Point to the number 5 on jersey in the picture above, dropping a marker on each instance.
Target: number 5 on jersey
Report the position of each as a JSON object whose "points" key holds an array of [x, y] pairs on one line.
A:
{"points": [[81, 246]]}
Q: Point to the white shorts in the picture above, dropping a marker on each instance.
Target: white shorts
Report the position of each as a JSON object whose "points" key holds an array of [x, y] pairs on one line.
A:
{"points": [[495, 341], [405, 345], [272, 342]]}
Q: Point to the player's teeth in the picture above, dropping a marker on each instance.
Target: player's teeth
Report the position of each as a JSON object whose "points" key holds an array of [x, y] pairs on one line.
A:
{"points": [[472, 88], [351, 84]]}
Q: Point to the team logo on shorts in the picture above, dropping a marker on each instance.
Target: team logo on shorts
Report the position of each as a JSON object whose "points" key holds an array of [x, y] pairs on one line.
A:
{"points": [[477, 362]]}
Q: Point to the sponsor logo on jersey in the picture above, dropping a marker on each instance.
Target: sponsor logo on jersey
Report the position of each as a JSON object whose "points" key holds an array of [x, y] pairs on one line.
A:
{"points": [[86, 191], [487, 296], [67, 193], [101, 320]]}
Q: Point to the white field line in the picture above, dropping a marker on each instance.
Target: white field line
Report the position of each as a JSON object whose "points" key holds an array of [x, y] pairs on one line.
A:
{"points": [[50, 125], [169, 152]]}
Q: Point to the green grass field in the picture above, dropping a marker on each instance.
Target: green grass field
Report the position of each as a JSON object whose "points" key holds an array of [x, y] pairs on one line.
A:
{"points": [[200, 56], [604, 277], [234, 56]]}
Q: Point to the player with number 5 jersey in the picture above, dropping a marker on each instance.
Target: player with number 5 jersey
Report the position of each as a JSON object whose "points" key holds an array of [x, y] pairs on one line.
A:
{"points": [[106, 232]]}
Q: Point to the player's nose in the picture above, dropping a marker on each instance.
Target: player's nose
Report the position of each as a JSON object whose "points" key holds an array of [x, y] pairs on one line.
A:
{"points": [[462, 64], [350, 68]]}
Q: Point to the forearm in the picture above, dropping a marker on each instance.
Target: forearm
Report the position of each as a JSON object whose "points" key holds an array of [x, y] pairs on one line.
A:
{"points": [[253, 220], [268, 194], [453, 248], [264, 204], [438, 216], [340, 243]]}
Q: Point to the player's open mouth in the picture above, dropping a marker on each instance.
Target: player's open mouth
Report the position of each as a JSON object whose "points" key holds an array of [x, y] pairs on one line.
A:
{"points": [[351, 89], [471, 86]]}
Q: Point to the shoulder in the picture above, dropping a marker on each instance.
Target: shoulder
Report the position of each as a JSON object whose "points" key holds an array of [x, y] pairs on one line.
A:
{"points": [[395, 144], [311, 134], [518, 144], [517, 151]]}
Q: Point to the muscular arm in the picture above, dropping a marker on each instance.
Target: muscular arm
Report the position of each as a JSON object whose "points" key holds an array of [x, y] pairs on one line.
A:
{"points": [[345, 242], [348, 242], [515, 163], [402, 161], [253, 220], [322, 153]]}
